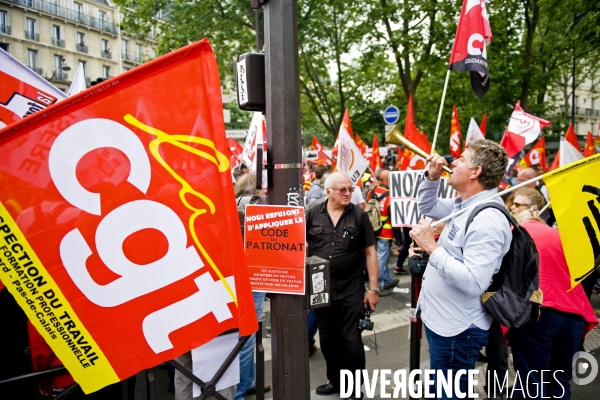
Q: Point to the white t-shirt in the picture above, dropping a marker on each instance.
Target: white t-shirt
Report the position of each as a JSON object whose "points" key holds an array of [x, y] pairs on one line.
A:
{"points": [[357, 196]]}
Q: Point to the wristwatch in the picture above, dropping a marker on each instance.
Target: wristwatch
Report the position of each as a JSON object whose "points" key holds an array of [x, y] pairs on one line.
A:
{"points": [[376, 290]]}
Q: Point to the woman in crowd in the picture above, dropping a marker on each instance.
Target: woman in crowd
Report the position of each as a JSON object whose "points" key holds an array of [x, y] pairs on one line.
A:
{"points": [[548, 342]]}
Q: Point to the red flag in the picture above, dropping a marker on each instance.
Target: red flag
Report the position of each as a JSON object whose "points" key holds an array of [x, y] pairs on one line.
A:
{"points": [[316, 145], [556, 162], [130, 239], [409, 159], [522, 129], [536, 155], [473, 34], [597, 140], [375, 160], [571, 137], [361, 145], [483, 125], [455, 136], [590, 148], [324, 159], [22, 92]]}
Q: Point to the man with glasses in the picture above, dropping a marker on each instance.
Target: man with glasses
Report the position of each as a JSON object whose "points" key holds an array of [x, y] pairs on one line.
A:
{"points": [[340, 232], [461, 265]]}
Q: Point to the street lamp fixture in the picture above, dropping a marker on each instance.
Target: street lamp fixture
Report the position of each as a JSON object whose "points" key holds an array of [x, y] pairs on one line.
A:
{"points": [[63, 67]]}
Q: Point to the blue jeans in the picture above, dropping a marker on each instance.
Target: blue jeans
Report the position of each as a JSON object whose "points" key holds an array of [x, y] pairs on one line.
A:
{"points": [[312, 326], [543, 345], [247, 353], [383, 253], [455, 353]]}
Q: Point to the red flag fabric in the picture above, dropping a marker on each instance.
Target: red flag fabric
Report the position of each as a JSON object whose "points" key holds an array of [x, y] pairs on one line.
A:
{"points": [[522, 129], [455, 135], [361, 145], [23, 92], [571, 137], [597, 141], [128, 246], [324, 159], [483, 125], [590, 147], [536, 155], [315, 144], [410, 160], [234, 146], [375, 160], [473, 34], [556, 162]]}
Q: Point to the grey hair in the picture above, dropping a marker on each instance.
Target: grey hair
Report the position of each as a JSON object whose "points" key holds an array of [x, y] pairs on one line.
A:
{"points": [[245, 185], [492, 159]]}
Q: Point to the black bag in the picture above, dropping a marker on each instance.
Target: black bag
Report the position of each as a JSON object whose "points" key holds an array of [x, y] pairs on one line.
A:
{"points": [[514, 294]]}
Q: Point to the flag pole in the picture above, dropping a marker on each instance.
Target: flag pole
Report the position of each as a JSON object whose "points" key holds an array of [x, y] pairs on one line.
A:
{"points": [[510, 189], [437, 125], [545, 207]]}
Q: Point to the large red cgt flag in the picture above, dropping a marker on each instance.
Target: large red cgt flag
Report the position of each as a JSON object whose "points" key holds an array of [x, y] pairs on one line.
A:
{"points": [[455, 135], [473, 35], [125, 250], [522, 129]]}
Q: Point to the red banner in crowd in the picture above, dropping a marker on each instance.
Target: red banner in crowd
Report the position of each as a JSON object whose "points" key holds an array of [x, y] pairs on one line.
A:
{"points": [[119, 233], [536, 155], [275, 237], [455, 135]]}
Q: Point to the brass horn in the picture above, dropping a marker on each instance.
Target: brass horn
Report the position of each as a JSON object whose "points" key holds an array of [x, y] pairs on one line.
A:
{"points": [[395, 137]]}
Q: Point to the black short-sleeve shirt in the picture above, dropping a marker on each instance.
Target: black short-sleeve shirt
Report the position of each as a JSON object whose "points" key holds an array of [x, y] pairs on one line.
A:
{"points": [[342, 246]]}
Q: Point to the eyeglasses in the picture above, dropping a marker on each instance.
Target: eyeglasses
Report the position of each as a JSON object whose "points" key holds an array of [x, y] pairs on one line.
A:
{"points": [[344, 190], [519, 205]]}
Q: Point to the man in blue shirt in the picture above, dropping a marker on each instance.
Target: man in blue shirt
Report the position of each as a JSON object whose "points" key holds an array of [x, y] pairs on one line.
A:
{"points": [[461, 266]]}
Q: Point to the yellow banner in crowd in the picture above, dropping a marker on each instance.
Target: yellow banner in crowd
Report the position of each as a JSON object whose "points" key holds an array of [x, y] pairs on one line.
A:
{"points": [[48, 309], [575, 194]]}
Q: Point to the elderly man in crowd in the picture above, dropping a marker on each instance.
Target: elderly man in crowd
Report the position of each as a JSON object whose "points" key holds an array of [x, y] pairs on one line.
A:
{"points": [[461, 265], [340, 231]]}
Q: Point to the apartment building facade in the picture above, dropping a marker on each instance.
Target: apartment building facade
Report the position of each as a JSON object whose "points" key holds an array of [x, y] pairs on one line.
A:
{"points": [[52, 37]]}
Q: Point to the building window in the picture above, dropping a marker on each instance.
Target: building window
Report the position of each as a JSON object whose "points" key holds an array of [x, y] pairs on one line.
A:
{"points": [[124, 45], [105, 71], [58, 65], [31, 32], [78, 11], [104, 48], [81, 42], [4, 46], [138, 52], [32, 61], [4, 27], [57, 37]]}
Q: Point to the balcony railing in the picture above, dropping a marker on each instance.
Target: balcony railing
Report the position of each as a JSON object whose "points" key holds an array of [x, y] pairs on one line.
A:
{"points": [[61, 75], [37, 70], [63, 12], [82, 48], [58, 42], [106, 54], [5, 29], [130, 57], [32, 36]]}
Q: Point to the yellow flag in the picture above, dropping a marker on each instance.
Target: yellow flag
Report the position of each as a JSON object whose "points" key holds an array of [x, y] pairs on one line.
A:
{"points": [[575, 194]]}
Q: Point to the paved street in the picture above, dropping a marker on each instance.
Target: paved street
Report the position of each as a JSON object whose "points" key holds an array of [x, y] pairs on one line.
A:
{"points": [[392, 334]]}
